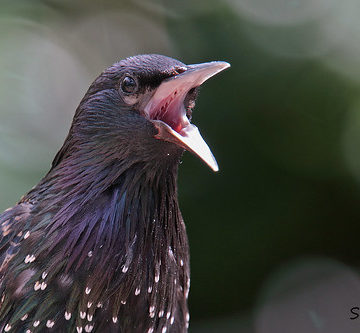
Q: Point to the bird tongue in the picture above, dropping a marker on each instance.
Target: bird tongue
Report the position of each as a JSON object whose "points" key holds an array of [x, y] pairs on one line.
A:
{"points": [[166, 109]]}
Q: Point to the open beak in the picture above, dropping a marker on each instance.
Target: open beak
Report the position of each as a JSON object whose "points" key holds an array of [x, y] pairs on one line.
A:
{"points": [[167, 111]]}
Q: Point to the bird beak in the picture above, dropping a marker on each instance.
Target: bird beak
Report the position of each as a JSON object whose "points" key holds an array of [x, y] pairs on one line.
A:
{"points": [[167, 111]]}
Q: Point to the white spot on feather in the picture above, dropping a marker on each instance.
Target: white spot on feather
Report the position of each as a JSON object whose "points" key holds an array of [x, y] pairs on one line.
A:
{"points": [[44, 275], [114, 319], [125, 269], [168, 315], [67, 315], [150, 289], [79, 329], [27, 234], [137, 291], [152, 309], [37, 285], [89, 328], [172, 320], [161, 313], [89, 305], [36, 323], [181, 263], [187, 288], [123, 302], [163, 329], [29, 258], [7, 328], [89, 317], [99, 305], [43, 286], [50, 323], [87, 290], [82, 315], [157, 277], [24, 317], [90, 253], [150, 330]]}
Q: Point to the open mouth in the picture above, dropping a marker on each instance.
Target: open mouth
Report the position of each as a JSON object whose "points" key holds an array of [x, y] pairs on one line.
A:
{"points": [[171, 111], [167, 111]]}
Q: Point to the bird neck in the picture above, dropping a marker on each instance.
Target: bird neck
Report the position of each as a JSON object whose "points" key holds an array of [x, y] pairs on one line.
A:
{"points": [[116, 205], [121, 223]]}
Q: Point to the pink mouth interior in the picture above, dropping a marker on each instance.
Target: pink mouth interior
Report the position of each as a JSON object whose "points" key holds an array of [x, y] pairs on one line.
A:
{"points": [[171, 111]]}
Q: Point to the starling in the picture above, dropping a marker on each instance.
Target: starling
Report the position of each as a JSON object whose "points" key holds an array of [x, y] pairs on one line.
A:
{"points": [[99, 245]]}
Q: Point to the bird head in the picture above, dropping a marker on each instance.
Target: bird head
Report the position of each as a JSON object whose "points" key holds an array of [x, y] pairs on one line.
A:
{"points": [[142, 107]]}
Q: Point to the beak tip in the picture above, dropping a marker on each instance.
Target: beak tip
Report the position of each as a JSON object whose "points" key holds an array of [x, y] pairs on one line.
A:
{"points": [[225, 64], [221, 65], [211, 162]]}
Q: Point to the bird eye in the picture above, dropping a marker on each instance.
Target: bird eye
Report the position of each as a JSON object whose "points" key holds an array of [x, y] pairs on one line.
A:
{"points": [[128, 85]]}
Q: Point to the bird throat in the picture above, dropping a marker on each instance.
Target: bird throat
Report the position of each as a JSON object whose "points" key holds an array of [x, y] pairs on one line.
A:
{"points": [[122, 235]]}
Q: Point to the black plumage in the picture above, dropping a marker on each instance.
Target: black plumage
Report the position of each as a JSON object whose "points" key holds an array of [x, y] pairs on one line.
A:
{"points": [[99, 245]]}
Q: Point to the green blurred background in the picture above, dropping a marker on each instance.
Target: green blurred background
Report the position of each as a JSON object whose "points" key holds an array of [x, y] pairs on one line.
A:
{"points": [[275, 234]]}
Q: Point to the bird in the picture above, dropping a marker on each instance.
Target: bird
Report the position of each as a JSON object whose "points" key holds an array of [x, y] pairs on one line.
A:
{"points": [[99, 244]]}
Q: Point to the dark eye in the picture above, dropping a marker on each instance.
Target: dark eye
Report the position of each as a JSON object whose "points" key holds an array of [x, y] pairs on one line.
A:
{"points": [[128, 85]]}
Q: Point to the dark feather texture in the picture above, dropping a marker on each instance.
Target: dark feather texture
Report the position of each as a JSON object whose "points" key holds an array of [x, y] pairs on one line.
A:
{"points": [[99, 245]]}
